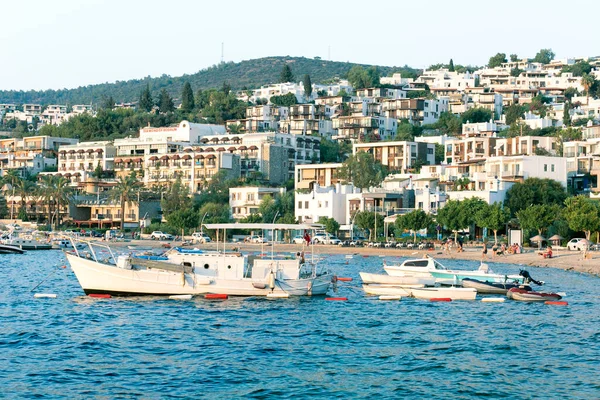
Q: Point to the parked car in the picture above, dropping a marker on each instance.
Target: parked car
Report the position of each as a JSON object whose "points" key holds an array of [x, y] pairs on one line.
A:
{"points": [[319, 239], [158, 235], [578, 244], [199, 237], [256, 239], [333, 240], [298, 240]]}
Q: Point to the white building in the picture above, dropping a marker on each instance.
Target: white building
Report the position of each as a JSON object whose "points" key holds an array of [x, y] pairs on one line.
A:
{"points": [[395, 80], [245, 201], [327, 202], [79, 161], [516, 168], [184, 132], [442, 78]]}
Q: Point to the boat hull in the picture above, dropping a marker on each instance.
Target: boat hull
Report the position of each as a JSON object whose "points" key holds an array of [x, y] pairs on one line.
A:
{"points": [[531, 296], [491, 287], [451, 293], [6, 249], [388, 290], [368, 278], [95, 277], [457, 276]]}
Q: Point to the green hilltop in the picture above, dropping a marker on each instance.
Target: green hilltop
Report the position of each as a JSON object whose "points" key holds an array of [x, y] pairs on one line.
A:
{"points": [[245, 74]]}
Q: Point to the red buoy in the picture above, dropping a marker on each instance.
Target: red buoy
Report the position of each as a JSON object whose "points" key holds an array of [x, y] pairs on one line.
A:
{"points": [[336, 298], [557, 303], [440, 299], [343, 279], [214, 296], [99, 295], [365, 256]]}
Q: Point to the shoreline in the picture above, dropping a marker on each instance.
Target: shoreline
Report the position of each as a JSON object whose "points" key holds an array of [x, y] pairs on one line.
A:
{"points": [[562, 258]]}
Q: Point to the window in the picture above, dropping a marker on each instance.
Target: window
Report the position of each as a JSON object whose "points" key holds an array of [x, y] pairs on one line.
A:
{"points": [[545, 167], [306, 204], [552, 167], [300, 205], [429, 151]]}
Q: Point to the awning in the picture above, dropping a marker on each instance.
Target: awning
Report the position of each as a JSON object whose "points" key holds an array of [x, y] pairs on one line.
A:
{"points": [[99, 151], [242, 148], [199, 157], [175, 157], [153, 158], [71, 151], [211, 156], [165, 157], [232, 148], [118, 160], [221, 149], [81, 151], [188, 149], [186, 157], [209, 149], [253, 147]]}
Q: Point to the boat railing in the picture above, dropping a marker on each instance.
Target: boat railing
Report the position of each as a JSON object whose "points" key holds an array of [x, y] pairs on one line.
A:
{"points": [[91, 245]]}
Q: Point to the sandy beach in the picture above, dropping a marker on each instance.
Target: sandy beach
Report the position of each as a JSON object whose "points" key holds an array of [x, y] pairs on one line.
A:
{"points": [[562, 258]]}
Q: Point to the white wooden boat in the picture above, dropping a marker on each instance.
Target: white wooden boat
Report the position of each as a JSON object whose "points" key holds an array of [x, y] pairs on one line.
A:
{"points": [[451, 293], [531, 296], [180, 271], [420, 267], [389, 290], [369, 278]]}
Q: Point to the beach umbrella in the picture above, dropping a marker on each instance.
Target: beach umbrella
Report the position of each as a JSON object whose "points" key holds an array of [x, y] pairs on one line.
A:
{"points": [[538, 239], [555, 239]]}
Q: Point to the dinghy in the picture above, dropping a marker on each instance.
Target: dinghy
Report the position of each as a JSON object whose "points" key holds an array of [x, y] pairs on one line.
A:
{"points": [[487, 287], [530, 295]]}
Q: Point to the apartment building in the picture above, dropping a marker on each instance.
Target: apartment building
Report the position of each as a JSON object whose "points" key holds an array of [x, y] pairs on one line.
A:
{"points": [[31, 154], [398, 155], [79, 161], [324, 175], [245, 201]]}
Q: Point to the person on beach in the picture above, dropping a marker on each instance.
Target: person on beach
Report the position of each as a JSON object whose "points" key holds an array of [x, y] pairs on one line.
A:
{"points": [[460, 245], [484, 252], [494, 250], [502, 250]]}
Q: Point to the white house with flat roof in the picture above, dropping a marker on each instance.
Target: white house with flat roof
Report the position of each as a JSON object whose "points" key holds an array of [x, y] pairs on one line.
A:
{"points": [[184, 132], [245, 201]]}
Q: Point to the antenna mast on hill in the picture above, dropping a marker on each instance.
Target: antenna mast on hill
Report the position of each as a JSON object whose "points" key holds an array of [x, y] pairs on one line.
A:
{"points": [[328, 53], [222, 52]]}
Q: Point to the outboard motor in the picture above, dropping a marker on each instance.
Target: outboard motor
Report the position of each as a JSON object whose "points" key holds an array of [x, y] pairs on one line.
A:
{"points": [[528, 277]]}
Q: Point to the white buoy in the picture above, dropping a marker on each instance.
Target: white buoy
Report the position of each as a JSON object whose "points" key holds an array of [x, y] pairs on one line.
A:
{"points": [[390, 297], [349, 256], [44, 296], [277, 295], [493, 299], [181, 297]]}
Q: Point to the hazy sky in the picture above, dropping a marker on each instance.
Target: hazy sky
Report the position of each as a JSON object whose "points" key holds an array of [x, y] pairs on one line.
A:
{"points": [[69, 43]]}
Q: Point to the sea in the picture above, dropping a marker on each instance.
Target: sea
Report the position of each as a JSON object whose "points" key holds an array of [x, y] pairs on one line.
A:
{"points": [[75, 347]]}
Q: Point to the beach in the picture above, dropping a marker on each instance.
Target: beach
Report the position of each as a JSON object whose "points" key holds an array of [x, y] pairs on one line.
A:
{"points": [[562, 258]]}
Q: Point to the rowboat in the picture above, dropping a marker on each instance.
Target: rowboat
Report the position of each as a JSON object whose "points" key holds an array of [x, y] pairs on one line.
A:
{"points": [[488, 287], [389, 290], [530, 295], [450, 293], [369, 278]]}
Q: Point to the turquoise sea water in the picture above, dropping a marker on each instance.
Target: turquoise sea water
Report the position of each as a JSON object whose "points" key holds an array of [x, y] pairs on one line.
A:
{"points": [[77, 347]]}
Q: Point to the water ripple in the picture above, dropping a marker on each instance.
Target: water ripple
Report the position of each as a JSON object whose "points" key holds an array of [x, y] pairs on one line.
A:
{"points": [[150, 347]]}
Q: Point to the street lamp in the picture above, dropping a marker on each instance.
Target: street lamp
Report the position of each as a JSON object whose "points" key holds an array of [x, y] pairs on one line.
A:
{"points": [[273, 236], [202, 223]]}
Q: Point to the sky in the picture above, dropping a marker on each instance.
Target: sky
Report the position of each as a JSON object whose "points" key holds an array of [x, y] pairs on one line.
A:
{"points": [[69, 43]]}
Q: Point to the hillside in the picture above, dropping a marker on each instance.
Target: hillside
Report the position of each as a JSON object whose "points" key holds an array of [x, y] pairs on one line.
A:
{"points": [[249, 74]]}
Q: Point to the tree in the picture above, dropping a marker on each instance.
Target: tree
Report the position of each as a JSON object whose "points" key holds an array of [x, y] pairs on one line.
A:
{"points": [[570, 92], [331, 225], [440, 153], [497, 60], [165, 102], [452, 217], [544, 56], [566, 115], [477, 114], [108, 103], [565, 135], [366, 220], [415, 221], [362, 170], [61, 192], [494, 217], [124, 193], [534, 191], [582, 214], [334, 151], [587, 81], [513, 113], [185, 220], [286, 74], [449, 124], [145, 102], [361, 78], [187, 98], [538, 216], [307, 86], [284, 100], [515, 72], [46, 192], [451, 66], [514, 58], [176, 198]]}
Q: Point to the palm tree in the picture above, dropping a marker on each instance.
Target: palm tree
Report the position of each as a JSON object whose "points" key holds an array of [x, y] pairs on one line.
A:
{"points": [[24, 189], [587, 81], [60, 194], [125, 193], [46, 192], [10, 181]]}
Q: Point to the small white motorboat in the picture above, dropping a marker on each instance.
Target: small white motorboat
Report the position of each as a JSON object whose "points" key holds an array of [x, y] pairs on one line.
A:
{"points": [[384, 279], [443, 293], [389, 290]]}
